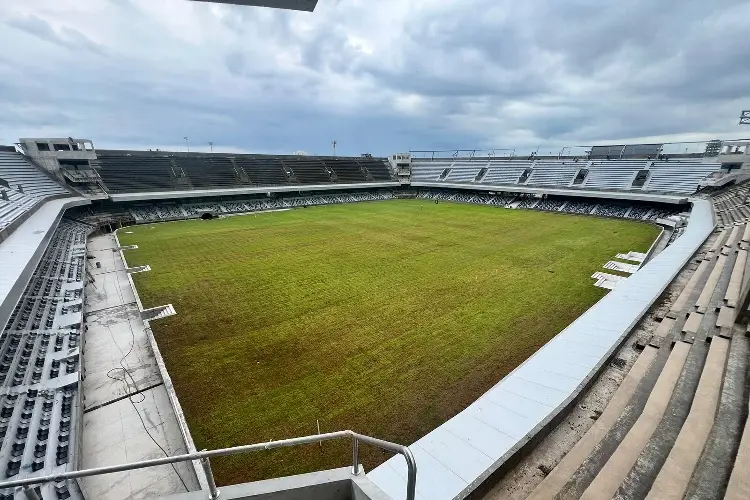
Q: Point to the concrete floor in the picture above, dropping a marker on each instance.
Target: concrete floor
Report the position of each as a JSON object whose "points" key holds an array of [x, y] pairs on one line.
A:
{"points": [[123, 416]]}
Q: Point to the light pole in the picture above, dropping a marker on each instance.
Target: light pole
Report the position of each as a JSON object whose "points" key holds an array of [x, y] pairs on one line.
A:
{"points": [[334, 148], [211, 145], [745, 117], [186, 144]]}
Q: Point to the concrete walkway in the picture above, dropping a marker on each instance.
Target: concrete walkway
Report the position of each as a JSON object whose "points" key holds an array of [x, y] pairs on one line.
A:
{"points": [[127, 415]]}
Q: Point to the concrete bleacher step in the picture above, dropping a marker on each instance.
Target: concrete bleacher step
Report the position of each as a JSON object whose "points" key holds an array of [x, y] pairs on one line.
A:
{"points": [[609, 478], [562, 473], [675, 474], [719, 241], [726, 317], [705, 296], [738, 487], [664, 327], [734, 236], [682, 300], [713, 470], [735, 281], [746, 234], [693, 322]]}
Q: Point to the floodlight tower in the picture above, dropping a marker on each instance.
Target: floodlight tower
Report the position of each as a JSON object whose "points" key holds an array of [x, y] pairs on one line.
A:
{"points": [[745, 117]]}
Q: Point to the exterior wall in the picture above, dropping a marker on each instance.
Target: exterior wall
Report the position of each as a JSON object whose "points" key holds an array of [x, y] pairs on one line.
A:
{"points": [[334, 484], [50, 159]]}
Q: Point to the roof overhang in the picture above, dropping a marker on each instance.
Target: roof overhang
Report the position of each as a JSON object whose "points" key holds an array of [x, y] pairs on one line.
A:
{"points": [[305, 5]]}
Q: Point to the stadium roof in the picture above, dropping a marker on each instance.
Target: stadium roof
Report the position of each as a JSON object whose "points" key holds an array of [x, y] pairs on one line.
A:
{"points": [[306, 5]]}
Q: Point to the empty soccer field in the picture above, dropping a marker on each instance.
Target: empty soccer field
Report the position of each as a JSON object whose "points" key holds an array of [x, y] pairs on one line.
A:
{"points": [[386, 318]]}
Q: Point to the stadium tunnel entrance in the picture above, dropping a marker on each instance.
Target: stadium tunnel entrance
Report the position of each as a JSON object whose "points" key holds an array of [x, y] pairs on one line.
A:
{"points": [[207, 216]]}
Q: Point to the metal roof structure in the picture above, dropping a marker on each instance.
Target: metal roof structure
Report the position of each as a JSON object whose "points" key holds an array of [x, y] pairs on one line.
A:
{"points": [[304, 5], [457, 456]]}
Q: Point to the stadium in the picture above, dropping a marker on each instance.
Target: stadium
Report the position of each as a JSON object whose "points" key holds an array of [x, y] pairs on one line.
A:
{"points": [[462, 309], [434, 324]]}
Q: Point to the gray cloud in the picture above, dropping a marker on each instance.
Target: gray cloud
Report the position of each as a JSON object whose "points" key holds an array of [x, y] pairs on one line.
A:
{"points": [[376, 76], [67, 37]]}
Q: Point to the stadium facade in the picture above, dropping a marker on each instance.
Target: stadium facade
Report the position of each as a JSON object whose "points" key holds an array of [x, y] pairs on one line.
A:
{"points": [[674, 427]]}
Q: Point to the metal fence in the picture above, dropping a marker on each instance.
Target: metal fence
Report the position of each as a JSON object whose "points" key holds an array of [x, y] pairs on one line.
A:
{"points": [[28, 484]]}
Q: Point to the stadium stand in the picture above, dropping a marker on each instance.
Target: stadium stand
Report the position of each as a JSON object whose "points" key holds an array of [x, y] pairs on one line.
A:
{"points": [[138, 171], [733, 204], [505, 171], [40, 368], [22, 187], [616, 175], [552, 173], [348, 171], [678, 176], [464, 171], [124, 173], [673, 427], [166, 212], [602, 208], [214, 172], [668, 177]]}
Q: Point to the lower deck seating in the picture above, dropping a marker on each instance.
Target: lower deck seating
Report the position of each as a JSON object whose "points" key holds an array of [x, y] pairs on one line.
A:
{"points": [[165, 211], [40, 367]]}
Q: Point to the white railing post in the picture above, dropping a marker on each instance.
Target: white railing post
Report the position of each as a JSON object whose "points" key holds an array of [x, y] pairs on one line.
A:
{"points": [[213, 491]]}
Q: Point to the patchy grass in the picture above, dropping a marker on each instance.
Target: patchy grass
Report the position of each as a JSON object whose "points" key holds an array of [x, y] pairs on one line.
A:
{"points": [[386, 318]]}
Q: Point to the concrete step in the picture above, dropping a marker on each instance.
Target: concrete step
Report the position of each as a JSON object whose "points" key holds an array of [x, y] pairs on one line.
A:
{"points": [[674, 476], [560, 475], [682, 300], [746, 234], [738, 487], [606, 483], [734, 236], [708, 290], [693, 323], [735, 281], [712, 473]]}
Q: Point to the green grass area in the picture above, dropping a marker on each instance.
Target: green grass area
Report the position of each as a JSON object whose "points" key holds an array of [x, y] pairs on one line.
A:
{"points": [[386, 318]]}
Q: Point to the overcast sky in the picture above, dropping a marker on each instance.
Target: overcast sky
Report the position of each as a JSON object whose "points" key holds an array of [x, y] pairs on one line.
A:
{"points": [[377, 76]]}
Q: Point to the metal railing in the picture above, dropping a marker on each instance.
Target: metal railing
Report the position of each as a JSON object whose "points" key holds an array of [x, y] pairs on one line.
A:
{"points": [[204, 456]]}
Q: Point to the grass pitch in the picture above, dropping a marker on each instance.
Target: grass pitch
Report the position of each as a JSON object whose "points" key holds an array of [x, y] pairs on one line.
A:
{"points": [[386, 318]]}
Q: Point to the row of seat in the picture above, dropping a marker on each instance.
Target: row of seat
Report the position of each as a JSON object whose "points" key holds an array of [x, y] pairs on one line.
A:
{"points": [[634, 211], [681, 176], [733, 204], [24, 186], [673, 427], [40, 368], [171, 211], [140, 171]]}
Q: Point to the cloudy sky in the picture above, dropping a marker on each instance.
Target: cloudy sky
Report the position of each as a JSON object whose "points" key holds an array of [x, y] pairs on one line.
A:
{"points": [[377, 76]]}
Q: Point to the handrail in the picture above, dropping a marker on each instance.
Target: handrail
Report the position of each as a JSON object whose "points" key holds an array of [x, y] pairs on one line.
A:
{"points": [[204, 455]]}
